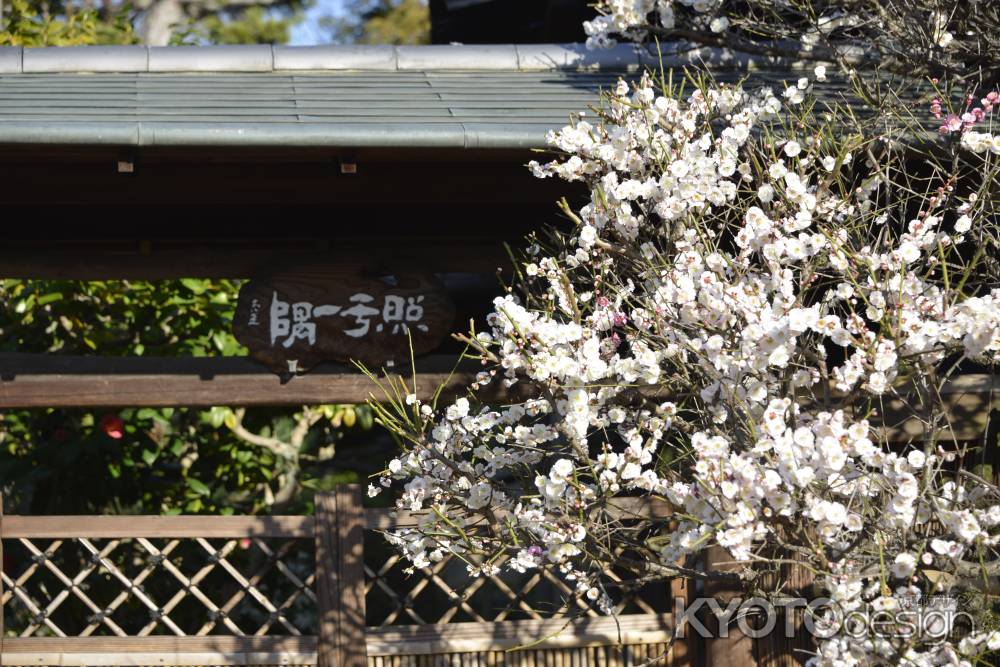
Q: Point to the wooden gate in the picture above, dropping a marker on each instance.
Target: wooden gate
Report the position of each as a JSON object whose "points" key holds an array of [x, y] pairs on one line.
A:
{"points": [[288, 590]]}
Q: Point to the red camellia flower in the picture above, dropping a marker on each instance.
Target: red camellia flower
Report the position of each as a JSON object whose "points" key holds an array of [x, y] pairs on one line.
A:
{"points": [[113, 426]]}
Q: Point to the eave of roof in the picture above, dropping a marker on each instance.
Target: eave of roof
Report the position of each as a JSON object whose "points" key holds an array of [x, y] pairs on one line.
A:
{"points": [[482, 97], [333, 58]]}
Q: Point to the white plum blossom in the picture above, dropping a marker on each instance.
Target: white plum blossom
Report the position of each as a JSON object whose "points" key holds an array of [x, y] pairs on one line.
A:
{"points": [[904, 565], [719, 24], [720, 333]]}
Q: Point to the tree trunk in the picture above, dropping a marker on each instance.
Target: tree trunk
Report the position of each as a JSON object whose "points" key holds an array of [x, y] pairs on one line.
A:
{"points": [[159, 20]]}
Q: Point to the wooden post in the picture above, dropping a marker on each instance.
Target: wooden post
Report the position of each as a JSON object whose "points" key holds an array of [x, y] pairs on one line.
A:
{"points": [[351, 533], [2, 631], [684, 652], [736, 649], [340, 575], [777, 650]]}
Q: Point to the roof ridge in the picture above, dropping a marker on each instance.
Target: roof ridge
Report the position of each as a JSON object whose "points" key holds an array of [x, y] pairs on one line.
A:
{"points": [[268, 58]]}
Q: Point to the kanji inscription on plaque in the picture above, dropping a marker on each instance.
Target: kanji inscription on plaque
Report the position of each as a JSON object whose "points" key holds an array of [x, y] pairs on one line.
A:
{"points": [[295, 319]]}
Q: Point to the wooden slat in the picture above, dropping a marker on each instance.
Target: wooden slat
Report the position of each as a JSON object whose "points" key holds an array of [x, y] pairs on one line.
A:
{"points": [[548, 633], [30, 381], [109, 527], [159, 650]]}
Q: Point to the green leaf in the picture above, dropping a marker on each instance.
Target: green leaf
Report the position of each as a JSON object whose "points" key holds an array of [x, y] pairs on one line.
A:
{"points": [[198, 487], [365, 418], [193, 284], [149, 456], [220, 338], [217, 416]]}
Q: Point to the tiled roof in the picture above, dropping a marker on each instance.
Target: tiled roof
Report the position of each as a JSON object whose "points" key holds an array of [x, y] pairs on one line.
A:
{"points": [[497, 96]]}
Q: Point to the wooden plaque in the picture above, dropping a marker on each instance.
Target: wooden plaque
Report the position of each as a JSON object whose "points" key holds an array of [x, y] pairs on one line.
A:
{"points": [[297, 318]]}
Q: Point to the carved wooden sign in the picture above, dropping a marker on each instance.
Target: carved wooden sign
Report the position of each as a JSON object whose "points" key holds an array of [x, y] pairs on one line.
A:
{"points": [[294, 319]]}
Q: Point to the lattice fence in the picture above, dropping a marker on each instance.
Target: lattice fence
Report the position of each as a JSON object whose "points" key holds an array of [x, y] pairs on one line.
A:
{"points": [[257, 586], [445, 593], [141, 587], [326, 589]]}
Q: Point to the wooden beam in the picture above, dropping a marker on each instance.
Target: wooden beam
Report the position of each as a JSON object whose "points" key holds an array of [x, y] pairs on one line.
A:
{"points": [[159, 260], [89, 156], [34, 380], [623, 508], [285, 183], [506, 635], [161, 650], [119, 527], [396, 641], [284, 526], [30, 381]]}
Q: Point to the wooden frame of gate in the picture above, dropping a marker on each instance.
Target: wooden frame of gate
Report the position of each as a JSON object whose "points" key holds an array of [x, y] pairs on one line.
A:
{"points": [[337, 586], [440, 184]]}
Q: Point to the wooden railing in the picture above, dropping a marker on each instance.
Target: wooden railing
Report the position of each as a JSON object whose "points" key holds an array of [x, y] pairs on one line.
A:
{"points": [[335, 587], [269, 590]]}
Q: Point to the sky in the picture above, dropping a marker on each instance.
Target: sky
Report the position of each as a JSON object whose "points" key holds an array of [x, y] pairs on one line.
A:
{"points": [[308, 31]]}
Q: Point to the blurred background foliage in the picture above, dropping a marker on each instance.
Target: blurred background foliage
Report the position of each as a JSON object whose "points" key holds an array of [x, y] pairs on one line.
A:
{"points": [[33, 23], [379, 22], [156, 22], [55, 23], [162, 460]]}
